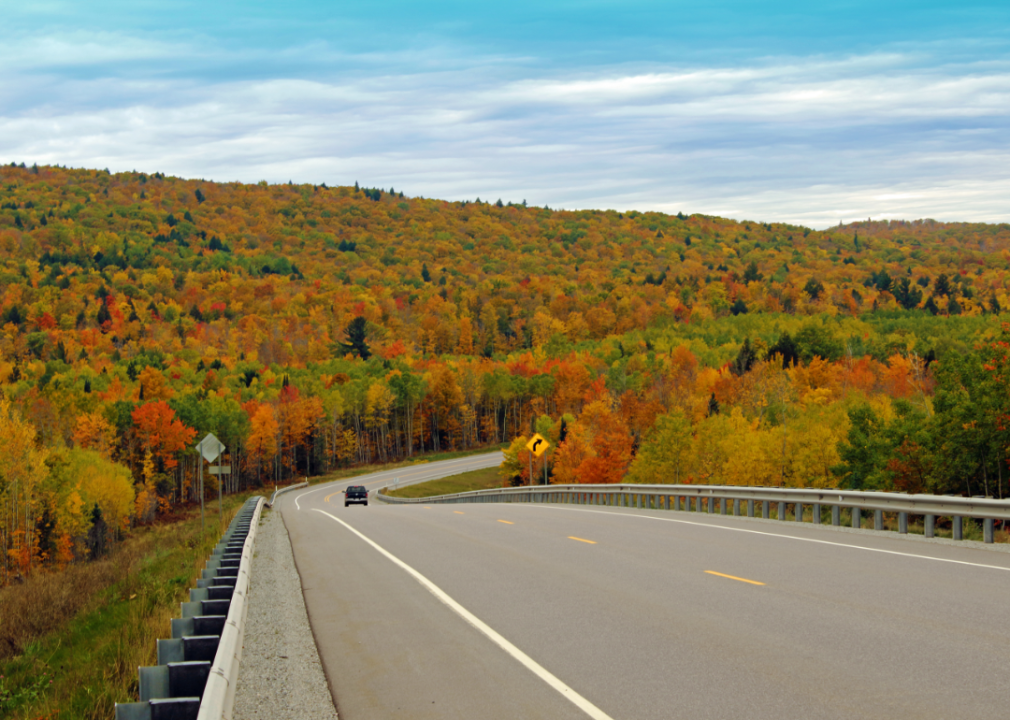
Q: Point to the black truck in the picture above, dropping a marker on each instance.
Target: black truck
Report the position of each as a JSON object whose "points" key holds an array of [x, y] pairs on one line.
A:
{"points": [[355, 494]]}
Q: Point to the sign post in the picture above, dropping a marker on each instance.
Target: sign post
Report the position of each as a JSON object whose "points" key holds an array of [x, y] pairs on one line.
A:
{"points": [[537, 447], [210, 449]]}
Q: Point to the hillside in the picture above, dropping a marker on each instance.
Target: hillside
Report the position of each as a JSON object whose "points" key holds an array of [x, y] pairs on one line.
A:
{"points": [[312, 327], [180, 255]]}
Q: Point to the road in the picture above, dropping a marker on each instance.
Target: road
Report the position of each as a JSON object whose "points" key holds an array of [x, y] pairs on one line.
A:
{"points": [[551, 611]]}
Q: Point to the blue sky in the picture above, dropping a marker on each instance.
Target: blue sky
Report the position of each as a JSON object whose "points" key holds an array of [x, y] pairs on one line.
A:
{"points": [[764, 111]]}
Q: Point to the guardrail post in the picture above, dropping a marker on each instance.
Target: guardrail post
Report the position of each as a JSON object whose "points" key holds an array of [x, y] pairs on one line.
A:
{"points": [[958, 527], [815, 511], [676, 503], [736, 507], [878, 520], [798, 512], [855, 517], [903, 523], [638, 500], [766, 509], [929, 526], [987, 530], [782, 511], [722, 506], [836, 515], [710, 504], [750, 508]]}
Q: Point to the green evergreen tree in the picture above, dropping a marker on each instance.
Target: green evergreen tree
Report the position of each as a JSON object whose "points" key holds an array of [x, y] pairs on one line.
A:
{"points": [[356, 343], [813, 288], [745, 359], [751, 274]]}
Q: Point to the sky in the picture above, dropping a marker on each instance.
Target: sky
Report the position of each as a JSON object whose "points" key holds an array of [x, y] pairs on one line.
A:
{"points": [[775, 111]]}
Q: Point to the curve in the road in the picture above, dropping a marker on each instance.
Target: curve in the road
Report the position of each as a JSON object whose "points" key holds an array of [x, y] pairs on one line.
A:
{"points": [[642, 614]]}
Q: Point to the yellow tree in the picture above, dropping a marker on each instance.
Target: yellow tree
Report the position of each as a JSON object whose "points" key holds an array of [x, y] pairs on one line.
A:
{"points": [[379, 400], [83, 480], [22, 471], [666, 452], [93, 432], [261, 447]]}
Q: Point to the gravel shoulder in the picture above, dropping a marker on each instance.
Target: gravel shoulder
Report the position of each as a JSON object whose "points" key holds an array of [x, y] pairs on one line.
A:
{"points": [[280, 676]]}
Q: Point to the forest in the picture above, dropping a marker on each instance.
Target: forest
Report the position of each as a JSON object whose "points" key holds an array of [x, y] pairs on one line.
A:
{"points": [[312, 328]]}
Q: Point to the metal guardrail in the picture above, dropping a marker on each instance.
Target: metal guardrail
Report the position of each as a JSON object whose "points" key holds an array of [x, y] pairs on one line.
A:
{"points": [[731, 499], [283, 490], [198, 667]]}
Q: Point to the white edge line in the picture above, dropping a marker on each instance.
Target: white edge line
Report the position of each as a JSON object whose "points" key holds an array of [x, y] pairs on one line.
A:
{"points": [[778, 535], [325, 486], [531, 664]]}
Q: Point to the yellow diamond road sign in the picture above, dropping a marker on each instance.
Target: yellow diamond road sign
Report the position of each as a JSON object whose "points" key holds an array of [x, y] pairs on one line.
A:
{"points": [[537, 445]]}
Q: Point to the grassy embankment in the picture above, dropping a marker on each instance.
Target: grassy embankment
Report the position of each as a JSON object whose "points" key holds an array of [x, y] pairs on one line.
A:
{"points": [[345, 473], [473, 480], [71, 642]]}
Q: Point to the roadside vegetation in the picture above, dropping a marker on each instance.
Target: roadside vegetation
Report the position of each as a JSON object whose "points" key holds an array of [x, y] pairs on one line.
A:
{"points": [[71, 642]]}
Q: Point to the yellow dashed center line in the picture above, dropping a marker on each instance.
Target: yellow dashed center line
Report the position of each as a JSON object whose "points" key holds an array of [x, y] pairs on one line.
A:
{"points": [[327, 498], [733, 577], [457, 512], [506, 522], [426, 507], [591, 542]]}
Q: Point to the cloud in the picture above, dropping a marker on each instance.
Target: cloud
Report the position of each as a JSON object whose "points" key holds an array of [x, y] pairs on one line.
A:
{"points": [[807, 140], [82, 49]]}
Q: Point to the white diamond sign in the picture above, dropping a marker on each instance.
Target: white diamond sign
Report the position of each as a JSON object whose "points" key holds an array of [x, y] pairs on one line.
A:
{"points": [[210, 447]]}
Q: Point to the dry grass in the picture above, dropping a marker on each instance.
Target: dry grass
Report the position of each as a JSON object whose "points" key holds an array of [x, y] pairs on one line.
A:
{"points": [[47, 601]]}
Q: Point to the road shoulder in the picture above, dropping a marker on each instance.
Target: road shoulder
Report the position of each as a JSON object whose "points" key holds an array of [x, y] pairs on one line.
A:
{"points": [[280, 676]]}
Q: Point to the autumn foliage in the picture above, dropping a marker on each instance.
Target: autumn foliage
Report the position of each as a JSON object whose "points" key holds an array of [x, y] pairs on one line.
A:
{"points": [[311, 328]]}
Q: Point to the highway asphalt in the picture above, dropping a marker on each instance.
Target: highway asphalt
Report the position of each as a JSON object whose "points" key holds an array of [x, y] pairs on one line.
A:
{"points": [[560, 611]]}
